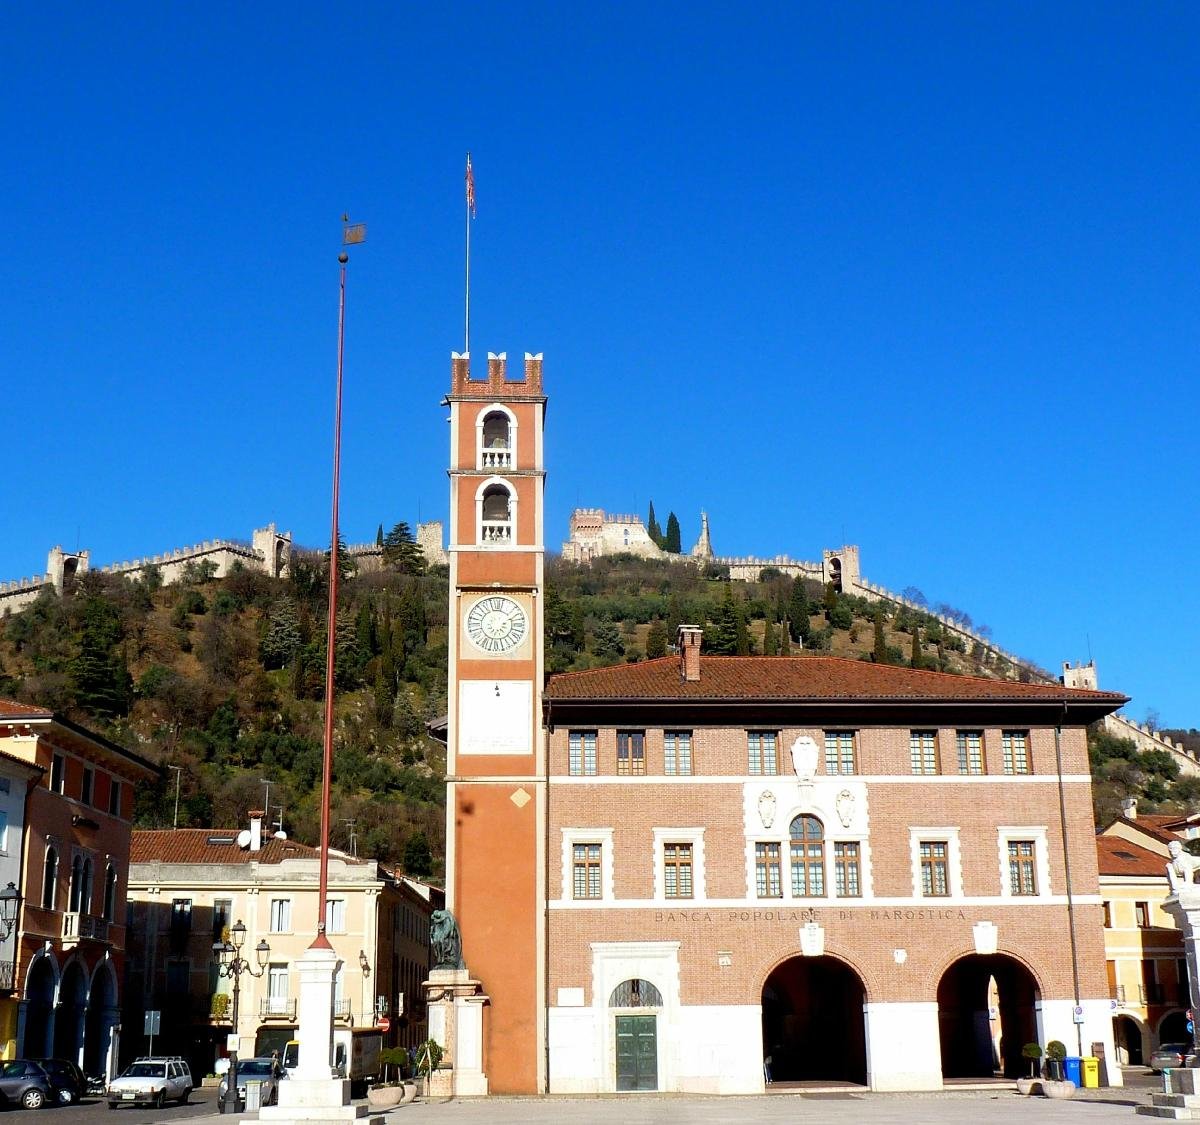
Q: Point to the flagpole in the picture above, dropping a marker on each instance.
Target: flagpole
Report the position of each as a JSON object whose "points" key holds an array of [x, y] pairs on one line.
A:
{"points": [[467, 310]]}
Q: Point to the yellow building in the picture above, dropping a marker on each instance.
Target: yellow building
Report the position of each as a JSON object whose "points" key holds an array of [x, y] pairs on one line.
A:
{"points": [[1147, 969], [192, 887]]}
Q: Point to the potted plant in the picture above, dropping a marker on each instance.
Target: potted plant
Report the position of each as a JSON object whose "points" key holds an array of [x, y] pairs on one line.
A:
{"points": [[1032, 1052], [385, 1094], [429, 1058], [1057, 1087]]}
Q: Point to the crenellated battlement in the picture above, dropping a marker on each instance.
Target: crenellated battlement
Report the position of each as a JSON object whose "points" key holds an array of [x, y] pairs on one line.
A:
{"points": [[498, 384]]}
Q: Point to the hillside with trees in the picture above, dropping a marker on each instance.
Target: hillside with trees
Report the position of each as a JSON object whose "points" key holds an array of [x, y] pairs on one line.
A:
{"points": [[221, 681]]}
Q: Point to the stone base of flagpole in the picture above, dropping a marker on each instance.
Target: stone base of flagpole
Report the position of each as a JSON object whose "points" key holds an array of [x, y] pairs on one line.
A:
{"points": [[311, 1095]]}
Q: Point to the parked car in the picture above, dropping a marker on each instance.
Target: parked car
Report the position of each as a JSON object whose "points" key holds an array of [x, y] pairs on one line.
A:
{"points": [[1170, 1055], [68, 1080], [24, 1083], [152, 1081], [266, 1071]]}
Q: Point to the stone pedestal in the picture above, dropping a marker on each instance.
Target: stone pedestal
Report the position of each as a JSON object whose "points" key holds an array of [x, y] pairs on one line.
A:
{"points": [[455, 1005], [312, 1095], [1180, 1098]]}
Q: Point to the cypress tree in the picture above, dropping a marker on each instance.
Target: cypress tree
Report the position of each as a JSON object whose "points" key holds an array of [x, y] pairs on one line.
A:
{"points": [[652, 528], [379, 536], [879, 653], [723, 638], [798, 610], [770, 639], [917, 659], [785, 641], [656, 640], [743, 645], [671, 542], [831, 600]]}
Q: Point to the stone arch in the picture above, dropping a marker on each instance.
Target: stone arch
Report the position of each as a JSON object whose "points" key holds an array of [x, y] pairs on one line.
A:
{"points": [[1172, 1028], [71, 1011], [495, 437], [103, 1015], [813, 1023], [41, 987], [1129, 1039], [974, 1044]]}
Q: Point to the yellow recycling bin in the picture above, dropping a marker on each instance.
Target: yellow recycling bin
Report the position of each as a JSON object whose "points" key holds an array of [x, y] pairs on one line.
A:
{"points": [[1091, 1072]]}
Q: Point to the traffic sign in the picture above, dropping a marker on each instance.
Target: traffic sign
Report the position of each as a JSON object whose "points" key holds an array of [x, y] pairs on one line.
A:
{"points": [[152, 1023], [1191, 1027], [1078, 1013], [384, 1023]]}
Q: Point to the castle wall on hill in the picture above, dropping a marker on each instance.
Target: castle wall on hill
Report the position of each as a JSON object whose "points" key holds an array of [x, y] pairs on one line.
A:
{"points": [[595, 533], [268, 551]]}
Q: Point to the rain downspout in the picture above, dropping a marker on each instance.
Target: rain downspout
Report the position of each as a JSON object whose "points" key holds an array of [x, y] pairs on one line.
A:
{"points": [[1062, 822]]}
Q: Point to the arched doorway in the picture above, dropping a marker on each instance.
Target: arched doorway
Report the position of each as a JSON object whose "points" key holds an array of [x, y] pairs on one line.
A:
{"points": [[69, 1015], [812, 1021], [986, 1015], [1127, 1037], [637, 1003], [1173, 1029], [39, 996], [102, 1016]]}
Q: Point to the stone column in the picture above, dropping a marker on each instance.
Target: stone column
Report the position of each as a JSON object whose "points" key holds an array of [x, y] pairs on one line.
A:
{"points": [[312, 1095], [455, 1004], [1180, 1097]]}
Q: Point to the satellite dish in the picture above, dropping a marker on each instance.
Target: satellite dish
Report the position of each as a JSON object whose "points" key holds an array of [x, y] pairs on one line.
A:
{"points": [[244, 838], [281, 835]]}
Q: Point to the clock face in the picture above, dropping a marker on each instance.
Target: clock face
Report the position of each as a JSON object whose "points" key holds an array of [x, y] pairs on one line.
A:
{"points": [[496, 624]]}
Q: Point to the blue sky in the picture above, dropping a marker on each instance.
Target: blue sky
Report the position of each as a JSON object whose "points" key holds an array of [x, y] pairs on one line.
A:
{"points": [[922, 277]]}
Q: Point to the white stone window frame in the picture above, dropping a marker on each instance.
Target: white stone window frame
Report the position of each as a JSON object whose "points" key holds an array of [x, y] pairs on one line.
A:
{"points": [[1039, 834], [480, 418], [693, 836], [507, 485], [601, 836], [954, 870]]}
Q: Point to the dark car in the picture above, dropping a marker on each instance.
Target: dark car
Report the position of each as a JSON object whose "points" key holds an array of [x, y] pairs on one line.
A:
{"points": [[69, 1082], [24, 1083], [1170, 1055]]}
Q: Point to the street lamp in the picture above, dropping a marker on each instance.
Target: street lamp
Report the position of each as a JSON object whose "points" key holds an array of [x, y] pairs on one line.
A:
{"points": [[10, 904], [231, 964]]}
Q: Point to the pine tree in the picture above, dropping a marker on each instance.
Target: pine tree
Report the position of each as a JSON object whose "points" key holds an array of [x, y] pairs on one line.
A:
{"points": [[652, 528], [401, 552], [418, 858], [671, 540], [831, 599], [656, 640], [97, 672], [879, 654], [722, 639]]}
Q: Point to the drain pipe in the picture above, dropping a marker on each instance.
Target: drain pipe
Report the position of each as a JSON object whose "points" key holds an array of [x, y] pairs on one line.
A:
{"points": [[1062, 822]]}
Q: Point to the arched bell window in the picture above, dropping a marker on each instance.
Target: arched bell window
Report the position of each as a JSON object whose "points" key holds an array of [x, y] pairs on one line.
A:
{"points": [[808, 857], [496, 511], [496, 437], [635, 993]]}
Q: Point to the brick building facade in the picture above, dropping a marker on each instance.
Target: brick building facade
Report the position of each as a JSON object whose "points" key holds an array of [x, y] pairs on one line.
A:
{"points": [[815, 868]]}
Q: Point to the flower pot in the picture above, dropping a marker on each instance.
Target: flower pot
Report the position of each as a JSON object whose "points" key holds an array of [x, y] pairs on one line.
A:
{"points": [[384, 1097], [1064, 1089], [410, 1093], [1029, 1086]]}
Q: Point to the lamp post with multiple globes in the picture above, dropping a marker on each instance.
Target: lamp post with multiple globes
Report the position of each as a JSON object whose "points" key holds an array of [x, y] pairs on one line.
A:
{"points": [[231, 964]]}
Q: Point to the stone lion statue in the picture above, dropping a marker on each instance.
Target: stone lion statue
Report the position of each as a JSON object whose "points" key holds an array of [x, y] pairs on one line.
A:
{"points": [[445, 941], [1182, 868]]}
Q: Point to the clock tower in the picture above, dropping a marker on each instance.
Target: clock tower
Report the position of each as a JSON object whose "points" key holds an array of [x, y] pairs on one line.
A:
{"points": [[495, 760]]}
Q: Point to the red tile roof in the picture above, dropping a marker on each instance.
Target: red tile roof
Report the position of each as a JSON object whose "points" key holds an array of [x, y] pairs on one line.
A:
{"points": [[1155, 825], [11, 709], [194, 845], [803, 678], [1119, 857]]}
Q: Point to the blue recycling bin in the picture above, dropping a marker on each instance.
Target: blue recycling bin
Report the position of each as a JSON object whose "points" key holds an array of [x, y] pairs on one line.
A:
{"points": [[1073, 1069]]}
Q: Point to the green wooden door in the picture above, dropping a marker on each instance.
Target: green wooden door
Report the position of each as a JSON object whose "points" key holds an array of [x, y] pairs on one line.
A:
{"points": [[637, 1053]]}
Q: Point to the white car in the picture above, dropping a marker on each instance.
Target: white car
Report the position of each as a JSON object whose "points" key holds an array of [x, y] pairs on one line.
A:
{"points": [[152, 1081]]}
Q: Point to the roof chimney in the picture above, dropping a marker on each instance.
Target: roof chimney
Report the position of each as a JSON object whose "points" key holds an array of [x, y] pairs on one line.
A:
{"points": [[1129, 808], [256, 819], [687, 640]]}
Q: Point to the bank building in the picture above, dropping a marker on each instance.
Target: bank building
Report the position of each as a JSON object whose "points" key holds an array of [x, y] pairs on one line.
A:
{"points": [[700, 873]]}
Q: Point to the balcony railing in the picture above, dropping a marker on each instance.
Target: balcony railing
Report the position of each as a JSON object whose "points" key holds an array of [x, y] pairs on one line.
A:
{"points": [[1150, 993], [496, 531], [77, 927], [341, 1011], [497, 459], [277, 1008], [1118, 993]]}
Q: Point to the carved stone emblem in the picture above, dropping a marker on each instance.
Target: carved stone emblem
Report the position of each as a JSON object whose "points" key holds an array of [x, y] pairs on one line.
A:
{"points": [[766, 808], [804, 759], [845, 807]]}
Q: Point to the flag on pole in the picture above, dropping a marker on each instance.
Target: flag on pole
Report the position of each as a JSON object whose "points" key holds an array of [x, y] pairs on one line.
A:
{"points": [[470, 188]]}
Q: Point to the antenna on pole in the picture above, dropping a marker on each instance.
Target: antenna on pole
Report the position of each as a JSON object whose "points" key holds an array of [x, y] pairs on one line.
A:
{"points": [[352, 825], [266, 795], [280, 834]]}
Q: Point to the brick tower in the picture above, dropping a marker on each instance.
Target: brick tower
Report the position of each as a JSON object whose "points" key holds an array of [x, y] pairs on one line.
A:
{"points": [[495, 792]]}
